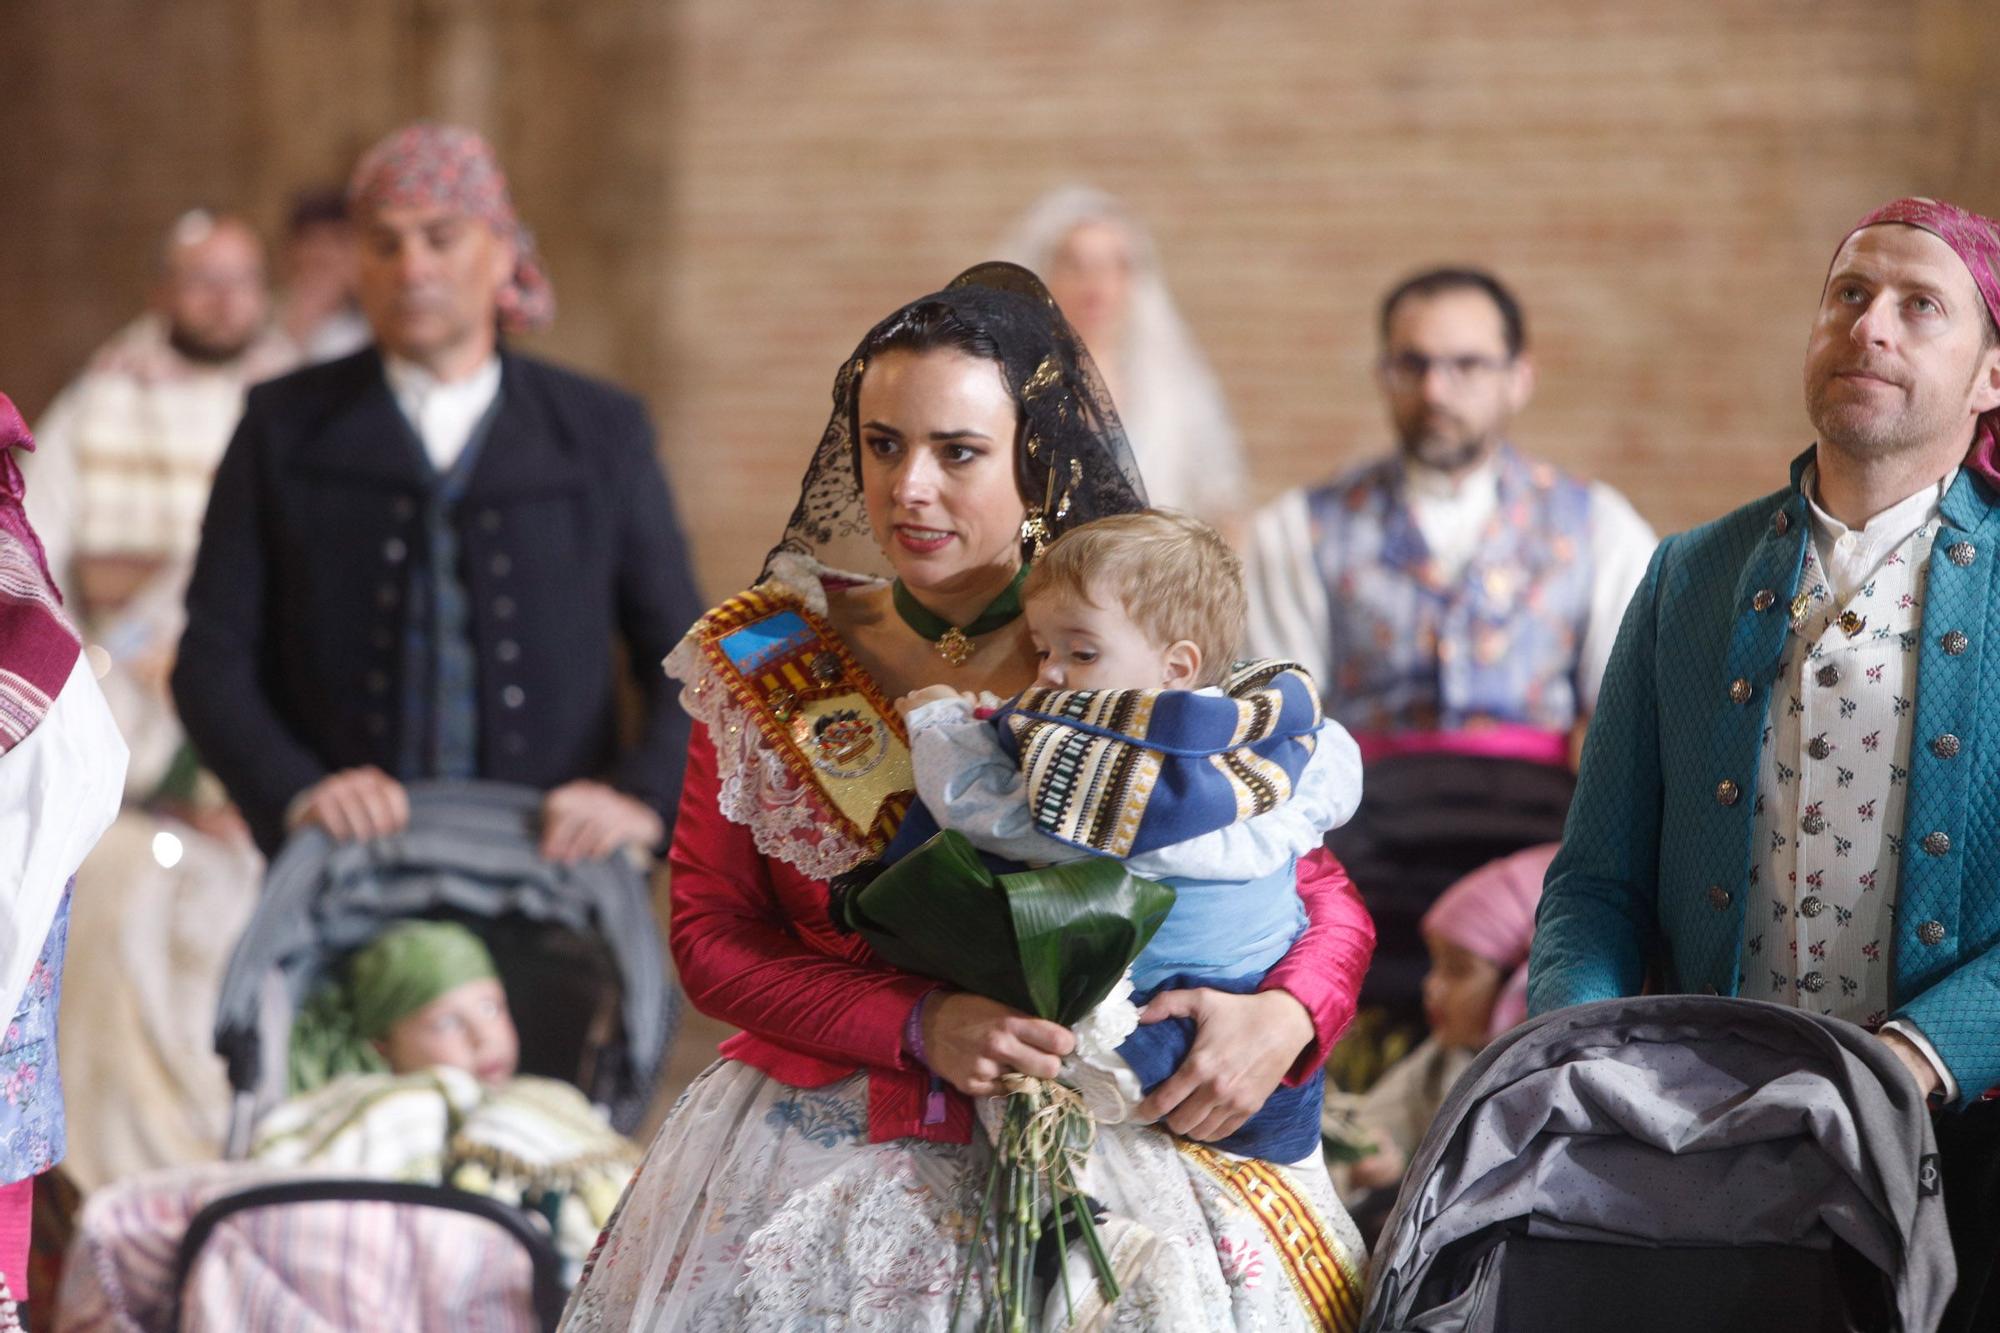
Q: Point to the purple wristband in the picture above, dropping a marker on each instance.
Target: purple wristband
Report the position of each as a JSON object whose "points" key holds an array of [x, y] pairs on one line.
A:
{"points": [[913, 1031]]}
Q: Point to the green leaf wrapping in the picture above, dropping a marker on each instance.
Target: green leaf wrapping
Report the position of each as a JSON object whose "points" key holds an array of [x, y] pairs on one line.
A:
{"points": [[1051, 942]]}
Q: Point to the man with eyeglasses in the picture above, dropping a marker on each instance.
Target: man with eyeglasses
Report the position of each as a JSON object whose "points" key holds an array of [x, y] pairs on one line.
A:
{"points": [[1457, 603]]}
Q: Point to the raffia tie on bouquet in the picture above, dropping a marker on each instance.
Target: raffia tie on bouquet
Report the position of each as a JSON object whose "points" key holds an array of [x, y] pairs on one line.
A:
{"points": [[1056, 1112]]}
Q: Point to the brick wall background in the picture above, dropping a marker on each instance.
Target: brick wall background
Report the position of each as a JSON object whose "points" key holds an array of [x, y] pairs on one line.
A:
{"points": [[730, 191]]}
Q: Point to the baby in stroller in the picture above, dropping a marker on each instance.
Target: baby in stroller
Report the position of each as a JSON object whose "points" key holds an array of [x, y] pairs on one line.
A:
{"points": [[406, 1173], [407, 1071]]}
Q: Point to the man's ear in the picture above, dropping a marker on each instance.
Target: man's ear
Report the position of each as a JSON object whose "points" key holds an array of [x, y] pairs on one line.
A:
{"points": [[1521, 382], [1182, 665], [1986, 384]]}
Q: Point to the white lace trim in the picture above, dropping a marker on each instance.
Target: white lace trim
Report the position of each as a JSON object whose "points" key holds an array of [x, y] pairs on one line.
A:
{"points": [[788, 819]]}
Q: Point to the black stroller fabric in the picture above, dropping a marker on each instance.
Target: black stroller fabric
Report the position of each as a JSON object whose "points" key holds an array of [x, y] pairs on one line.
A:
{"points": [[1671, 1162], [1425, 822], [578, 947]]}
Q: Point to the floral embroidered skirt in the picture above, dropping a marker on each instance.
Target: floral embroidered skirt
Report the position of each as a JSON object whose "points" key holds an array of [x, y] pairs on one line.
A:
{"points": [[763, 1206]]}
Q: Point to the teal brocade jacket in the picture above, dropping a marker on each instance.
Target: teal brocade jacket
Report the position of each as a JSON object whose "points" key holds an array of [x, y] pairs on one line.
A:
{"points": [[1654, 870]]}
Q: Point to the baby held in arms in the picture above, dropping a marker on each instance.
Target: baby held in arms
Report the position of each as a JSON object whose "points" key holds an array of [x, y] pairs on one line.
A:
{"points": [[1144, 739]]}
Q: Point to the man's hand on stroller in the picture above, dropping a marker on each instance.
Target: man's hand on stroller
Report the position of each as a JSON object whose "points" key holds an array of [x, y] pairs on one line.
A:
{"points": [[585, 821], [353, 805]]}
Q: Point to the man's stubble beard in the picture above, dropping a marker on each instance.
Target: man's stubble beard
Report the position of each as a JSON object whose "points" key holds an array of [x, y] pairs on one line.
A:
{"points": [[1872, 438], [204, 352], [1447, 453]]}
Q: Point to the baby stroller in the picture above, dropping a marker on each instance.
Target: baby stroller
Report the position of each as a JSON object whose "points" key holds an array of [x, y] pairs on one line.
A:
{"points": [[1671, 1163], [581, 958]]}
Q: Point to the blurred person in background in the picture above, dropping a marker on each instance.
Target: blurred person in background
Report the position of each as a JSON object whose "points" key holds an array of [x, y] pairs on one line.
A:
{"points": [[61, 767], [128, 448], [1457, 601], [1477, 933], [319, 311], [417, 558], [1102, 268], [126, 456]]}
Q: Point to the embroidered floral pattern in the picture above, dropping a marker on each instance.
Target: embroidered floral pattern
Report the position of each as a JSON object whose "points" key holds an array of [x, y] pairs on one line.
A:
{"points": [[827, 1121], [1832, 785]]}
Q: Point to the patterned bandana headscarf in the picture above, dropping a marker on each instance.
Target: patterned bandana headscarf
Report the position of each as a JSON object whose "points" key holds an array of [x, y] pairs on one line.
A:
{"points": [[405, 968], [1976, 242], [431, 165], [1491, 913]]}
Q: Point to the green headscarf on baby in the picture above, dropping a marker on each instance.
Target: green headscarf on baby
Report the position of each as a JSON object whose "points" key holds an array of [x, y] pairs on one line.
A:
{"points": [[403, 969]]}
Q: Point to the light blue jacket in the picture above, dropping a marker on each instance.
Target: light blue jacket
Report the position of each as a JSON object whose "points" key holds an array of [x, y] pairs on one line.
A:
{"points": [[1656, 858]]}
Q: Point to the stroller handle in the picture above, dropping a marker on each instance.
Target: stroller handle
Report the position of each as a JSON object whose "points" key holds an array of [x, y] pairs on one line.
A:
{"points": [[546, 1285]]}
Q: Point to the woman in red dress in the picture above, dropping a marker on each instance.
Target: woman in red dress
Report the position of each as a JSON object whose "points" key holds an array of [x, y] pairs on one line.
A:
{"points": [[826, 1172]]}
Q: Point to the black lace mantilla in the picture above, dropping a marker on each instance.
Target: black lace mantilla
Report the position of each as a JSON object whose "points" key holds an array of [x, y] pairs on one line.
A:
{"points": [[1071, 455]]}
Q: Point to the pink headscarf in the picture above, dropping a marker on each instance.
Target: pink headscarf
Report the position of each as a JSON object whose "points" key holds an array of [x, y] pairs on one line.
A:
{"points": [[1491, 913], [38, 649], [430, 165], [1976, 242]]}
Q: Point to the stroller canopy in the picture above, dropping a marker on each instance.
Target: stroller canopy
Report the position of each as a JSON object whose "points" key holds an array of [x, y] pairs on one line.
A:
{"points": [[1719, 1141], [470, 851]]}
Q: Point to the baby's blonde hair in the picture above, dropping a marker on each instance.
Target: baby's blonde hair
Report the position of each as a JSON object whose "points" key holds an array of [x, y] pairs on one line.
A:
{"points": [[1172, 574]]}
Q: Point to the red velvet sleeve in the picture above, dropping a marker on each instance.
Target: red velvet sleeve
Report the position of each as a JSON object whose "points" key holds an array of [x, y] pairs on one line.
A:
{"points": [[738, 958], [1324, 968]]}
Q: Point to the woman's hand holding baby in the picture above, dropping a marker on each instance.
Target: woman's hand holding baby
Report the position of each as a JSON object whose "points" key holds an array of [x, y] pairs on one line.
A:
{"points": [[931, 694], [1243, 1046], [971, 1042]]}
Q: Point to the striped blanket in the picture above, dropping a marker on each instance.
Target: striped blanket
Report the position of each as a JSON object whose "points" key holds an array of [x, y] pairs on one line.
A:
{"points": [[1124, 772]]}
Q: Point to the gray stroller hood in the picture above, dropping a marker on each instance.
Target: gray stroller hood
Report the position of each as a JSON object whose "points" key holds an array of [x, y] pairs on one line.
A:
{"points": [[471, 853], [1678, 1127]]}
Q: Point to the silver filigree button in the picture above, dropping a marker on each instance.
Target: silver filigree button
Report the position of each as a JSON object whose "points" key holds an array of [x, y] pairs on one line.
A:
{"points": [[1726, 792], [1740, 691], [1828, 675], [1954, 642], [1962, 553], [1931, 933], [1718, 897], [1813, 982], [1938, 843], [1945, 746], [1810, 906]]}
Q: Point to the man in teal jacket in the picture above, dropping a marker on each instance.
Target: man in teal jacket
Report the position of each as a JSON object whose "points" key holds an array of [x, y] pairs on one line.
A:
{"points": [[1791, 787]]}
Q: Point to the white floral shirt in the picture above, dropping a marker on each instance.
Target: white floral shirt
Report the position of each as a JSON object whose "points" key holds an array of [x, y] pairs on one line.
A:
{"points": [[1834, 772]]}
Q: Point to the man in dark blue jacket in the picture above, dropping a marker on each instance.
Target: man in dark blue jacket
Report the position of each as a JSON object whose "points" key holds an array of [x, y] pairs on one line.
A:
{"points": [[417, 560]]}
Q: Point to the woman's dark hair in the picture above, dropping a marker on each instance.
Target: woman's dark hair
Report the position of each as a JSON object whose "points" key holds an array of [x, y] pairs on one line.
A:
{"points": [[1438, 281], [1071, 459], [933, 326]]}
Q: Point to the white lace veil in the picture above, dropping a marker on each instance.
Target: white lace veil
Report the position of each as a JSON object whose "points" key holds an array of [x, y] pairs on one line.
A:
{"points": [[1168, 397]]}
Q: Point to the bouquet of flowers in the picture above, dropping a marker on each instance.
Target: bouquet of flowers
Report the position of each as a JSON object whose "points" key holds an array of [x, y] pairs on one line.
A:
{"points": [[1052, 942]]}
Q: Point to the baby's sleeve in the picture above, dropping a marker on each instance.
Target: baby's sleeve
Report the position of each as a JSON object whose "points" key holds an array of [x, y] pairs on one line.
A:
{"points": [[970, 784]]}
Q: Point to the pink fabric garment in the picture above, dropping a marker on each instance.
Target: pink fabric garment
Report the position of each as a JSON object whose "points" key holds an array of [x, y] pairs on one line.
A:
{"points": [[1976, 241], [427, 165], [1503, 740], [17, 1216], [1491, 913], [38, 649], [307, 1266]]}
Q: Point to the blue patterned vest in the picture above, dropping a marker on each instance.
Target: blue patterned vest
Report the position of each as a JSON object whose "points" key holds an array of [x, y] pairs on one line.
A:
{"points": [[1499, 644]]}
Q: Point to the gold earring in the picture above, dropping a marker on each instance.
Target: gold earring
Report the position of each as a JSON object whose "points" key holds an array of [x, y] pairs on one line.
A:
{"points": [[1034, 533]]}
